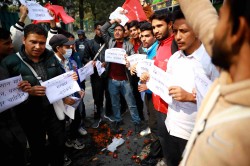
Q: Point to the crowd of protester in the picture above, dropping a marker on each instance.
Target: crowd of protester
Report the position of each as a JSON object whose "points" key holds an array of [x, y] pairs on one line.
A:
{"points": [[188, 42]]}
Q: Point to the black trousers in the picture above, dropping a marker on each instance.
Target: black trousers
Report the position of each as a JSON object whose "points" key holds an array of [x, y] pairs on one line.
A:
{"points": [[163, 134], [99, 89], [175, 149], [75, 124], [12, 141], [152, 121], [137, 95], [37, 121]]}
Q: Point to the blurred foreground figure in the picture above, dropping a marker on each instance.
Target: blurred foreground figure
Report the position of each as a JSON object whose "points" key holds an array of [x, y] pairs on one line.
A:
{"points": [[220, 135]]}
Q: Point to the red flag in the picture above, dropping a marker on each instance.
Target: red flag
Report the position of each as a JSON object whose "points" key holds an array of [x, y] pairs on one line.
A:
{"points": [[59, 12], [135, 10]]}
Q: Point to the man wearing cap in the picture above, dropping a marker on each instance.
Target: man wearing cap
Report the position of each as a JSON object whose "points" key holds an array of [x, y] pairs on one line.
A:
{"points": [[36, 115], [81, 42], [61, 47]]}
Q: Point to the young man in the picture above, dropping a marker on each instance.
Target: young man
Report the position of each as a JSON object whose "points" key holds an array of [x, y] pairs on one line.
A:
{"points": [[37, 116], [119, 76], [12, 138], [162, 28], [81, 42], [76, 60], [149, 46], [136, 42], [61, 47], [221, 127], [183, 66], [98, 83]]}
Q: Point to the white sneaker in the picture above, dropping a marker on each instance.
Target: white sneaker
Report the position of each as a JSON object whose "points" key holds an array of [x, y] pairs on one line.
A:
{"points": [[161, 163], [78, 145], [106, 117], [82, 131], [145, 132], [67, 161]]}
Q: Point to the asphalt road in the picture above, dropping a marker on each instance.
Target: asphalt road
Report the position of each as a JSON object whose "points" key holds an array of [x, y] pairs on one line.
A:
{"points": [[97, 140]]}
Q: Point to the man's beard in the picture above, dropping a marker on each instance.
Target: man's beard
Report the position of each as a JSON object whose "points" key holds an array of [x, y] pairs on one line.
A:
{"points": [[221, 55]]}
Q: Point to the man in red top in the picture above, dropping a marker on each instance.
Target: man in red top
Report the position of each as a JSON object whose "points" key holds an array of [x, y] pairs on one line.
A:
{"points": [[119, 76], [162, 29]]}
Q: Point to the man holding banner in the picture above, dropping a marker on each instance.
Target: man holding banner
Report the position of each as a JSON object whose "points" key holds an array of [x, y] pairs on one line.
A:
{"points": [[184, 66], [61, 47], [119, 76], [12, 138], [37, 116]]}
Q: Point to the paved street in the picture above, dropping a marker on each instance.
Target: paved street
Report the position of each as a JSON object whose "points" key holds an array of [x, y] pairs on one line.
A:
{"points": [[94, 153]]}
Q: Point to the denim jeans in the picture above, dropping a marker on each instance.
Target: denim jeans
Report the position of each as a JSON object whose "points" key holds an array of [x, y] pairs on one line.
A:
{"points": [[115, 88]]}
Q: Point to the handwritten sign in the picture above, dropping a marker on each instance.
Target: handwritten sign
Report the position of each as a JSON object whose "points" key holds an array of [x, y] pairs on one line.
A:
{"points": [[144, 66], [86, 71], [202, 85], [60, 87], [158, 83], [117, 14], [135, 58], [36, 11], [10, 94], [115, 55], [99, 67], [69, 111]]}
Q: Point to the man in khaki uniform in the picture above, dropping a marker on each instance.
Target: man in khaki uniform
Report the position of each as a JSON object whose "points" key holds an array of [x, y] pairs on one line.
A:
{"points": [[221, 136]]}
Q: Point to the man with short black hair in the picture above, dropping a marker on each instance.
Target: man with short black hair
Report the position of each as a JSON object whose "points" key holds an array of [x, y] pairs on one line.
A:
{"points": [[12, 138], [119, 76], [99, 84], [37, 116], [184, 66]]}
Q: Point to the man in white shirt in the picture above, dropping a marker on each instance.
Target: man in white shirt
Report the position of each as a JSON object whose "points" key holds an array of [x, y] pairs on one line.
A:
{"points": [[183, 66]]}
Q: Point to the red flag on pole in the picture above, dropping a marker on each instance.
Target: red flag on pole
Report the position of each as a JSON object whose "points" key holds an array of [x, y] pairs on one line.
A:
{"points": [[135, 10], [59, 12]]}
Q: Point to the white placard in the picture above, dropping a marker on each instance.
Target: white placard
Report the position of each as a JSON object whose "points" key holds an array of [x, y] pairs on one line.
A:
{"points": [[60, 86], [36, 11], [99, 67], [117, 14], [144, 66], [23, 2], [77, 102], [10, 94], [135, 58], [159, 83], [202, 85], [115, 55], [86, 71], [69, 111]]}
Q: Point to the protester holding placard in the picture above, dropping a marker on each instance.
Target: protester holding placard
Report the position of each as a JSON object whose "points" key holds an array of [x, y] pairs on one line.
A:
{"points": [[75, 57], [61, 47], [183, 66], [12, 138], [37, 116], [162, 29], [99, 83], [119, 76], [150, 45], [136, 42]]}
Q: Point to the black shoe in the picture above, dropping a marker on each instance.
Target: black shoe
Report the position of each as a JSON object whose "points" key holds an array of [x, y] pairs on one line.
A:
{"points": [[97, 123], [116, 126], [137, 128], [97, 116], [149, 161]]}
